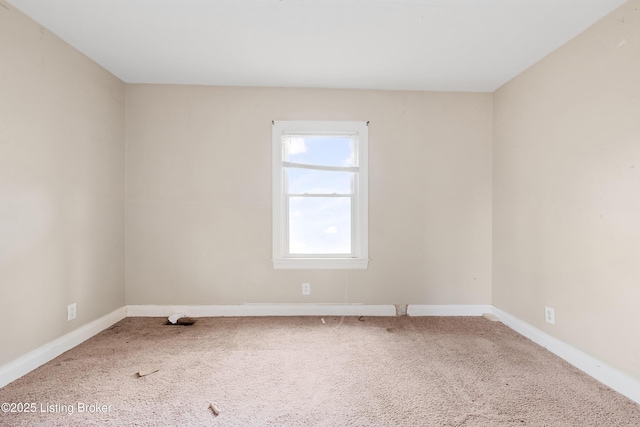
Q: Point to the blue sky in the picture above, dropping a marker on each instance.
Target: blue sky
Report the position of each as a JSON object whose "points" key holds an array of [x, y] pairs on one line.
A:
{"points": [[325, 150]]}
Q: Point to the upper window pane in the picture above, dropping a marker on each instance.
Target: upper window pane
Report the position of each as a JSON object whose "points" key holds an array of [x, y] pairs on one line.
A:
{"points": [[311, 181], [321, 150]]}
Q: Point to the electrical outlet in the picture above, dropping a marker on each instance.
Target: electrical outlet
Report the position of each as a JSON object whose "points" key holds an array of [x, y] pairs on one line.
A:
{"points": [[306, 289], [550, 315], [71, 311]]}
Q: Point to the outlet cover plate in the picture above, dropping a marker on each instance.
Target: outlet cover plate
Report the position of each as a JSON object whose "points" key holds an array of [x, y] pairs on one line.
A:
{"points": [[71, 311], [550, 315]]}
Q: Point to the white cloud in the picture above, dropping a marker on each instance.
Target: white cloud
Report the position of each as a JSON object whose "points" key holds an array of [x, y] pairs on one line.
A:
{"points": [[331, 230], [297, 146], [349, 161]]}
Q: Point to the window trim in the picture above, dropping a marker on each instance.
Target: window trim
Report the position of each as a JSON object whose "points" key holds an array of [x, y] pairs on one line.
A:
{"points": [[359, 209]]}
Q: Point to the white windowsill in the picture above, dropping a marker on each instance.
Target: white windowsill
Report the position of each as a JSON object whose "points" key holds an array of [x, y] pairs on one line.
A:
{"points": [[321, 263]]}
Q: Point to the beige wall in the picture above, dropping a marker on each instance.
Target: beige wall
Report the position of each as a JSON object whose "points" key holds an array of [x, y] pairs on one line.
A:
{"points": [[566, 173], [198, 222], [61, 186]]}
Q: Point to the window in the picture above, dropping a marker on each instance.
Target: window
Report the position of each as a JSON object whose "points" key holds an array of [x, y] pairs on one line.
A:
{"points": [[320, 195]]}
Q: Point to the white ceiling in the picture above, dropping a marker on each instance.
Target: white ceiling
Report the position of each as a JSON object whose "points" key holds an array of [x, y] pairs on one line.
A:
{"points": [[440, 45]]}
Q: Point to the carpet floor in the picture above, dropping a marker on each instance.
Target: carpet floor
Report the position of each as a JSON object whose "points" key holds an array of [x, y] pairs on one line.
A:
{"points": [[299, 371]]}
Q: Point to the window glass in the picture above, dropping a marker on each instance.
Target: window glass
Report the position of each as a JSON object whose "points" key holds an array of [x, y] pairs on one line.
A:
{"points": [[324, 150], [311, 181], [320, 225]]}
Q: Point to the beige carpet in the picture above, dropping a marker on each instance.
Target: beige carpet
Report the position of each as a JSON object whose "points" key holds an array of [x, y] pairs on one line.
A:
{"points": [[398, 371]]}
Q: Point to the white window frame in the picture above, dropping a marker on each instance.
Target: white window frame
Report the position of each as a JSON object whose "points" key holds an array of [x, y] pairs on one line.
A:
{"points": [[358, 259]]}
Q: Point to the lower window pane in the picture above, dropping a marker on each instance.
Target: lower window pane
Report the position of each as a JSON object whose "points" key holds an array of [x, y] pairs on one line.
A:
{"points": [[319, 225]]}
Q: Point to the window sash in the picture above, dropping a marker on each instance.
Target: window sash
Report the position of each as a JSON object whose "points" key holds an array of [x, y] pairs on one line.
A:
{"points": [[321, 168], [353, 195]]}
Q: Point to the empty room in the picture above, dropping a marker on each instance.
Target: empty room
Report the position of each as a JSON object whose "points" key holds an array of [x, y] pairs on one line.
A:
{"points": [[320, 213]]}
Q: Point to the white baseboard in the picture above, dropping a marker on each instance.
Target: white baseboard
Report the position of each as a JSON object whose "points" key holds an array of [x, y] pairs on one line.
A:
{"points": [[448, 310], [616, 380], [41, 355], [244, 310], [609, 376]]}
